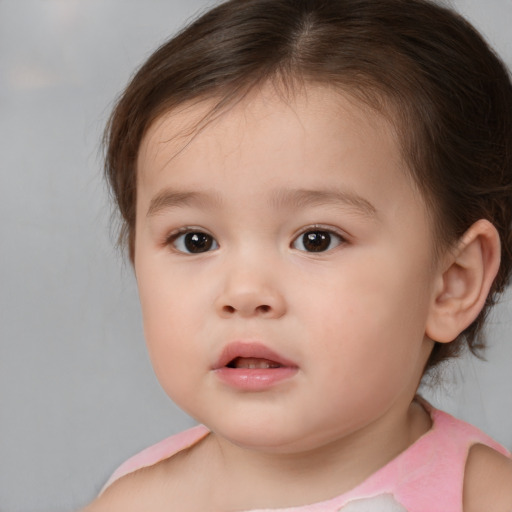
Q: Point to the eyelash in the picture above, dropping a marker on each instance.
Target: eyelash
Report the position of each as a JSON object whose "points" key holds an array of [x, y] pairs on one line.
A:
{"points": [[318, 236], [331, 233], [174, 239]]}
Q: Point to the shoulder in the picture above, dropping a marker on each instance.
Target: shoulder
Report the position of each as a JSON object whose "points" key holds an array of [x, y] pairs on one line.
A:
{"points": [[123, 495], [163, 473], [487, 481], [148, 488], [120, 496], [159, 452]]}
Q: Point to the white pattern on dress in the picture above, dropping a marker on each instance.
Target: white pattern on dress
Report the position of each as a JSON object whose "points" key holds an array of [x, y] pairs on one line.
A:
{"points": [[382, 503]]}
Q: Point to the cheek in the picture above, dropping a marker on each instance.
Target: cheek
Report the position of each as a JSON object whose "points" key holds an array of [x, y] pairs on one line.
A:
{"points": [[165, 305], [372, 318], [167, 294], [171, 344]]}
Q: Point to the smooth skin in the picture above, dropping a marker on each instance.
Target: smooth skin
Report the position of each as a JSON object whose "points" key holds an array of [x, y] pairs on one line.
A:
{"points": [[296, 225]]}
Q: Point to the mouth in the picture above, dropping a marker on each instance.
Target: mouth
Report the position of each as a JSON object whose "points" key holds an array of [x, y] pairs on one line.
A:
{"points": [[252, 367], [251, 356]]}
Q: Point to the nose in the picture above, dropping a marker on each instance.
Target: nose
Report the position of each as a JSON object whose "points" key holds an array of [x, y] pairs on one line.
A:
{"points": [[250, 293]]}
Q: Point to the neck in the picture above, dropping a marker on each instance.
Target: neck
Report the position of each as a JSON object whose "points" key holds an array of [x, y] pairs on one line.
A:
{"points": [[298, 478]]}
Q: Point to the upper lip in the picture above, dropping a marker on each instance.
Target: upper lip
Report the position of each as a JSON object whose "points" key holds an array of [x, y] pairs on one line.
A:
{"points": [[255, 350]]}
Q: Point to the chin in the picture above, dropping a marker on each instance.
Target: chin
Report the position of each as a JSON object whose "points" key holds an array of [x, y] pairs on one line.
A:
{"points": [[268, 437]]}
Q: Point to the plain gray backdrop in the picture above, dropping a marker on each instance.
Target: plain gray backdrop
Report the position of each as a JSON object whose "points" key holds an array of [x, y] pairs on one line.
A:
{"points": [[77, 393]]}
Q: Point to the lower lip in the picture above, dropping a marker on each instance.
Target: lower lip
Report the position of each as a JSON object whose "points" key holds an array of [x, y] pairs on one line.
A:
{"points": [[254, 379]]}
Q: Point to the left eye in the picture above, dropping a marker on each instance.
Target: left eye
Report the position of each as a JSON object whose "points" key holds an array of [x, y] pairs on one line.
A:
{"points": [[317, 240]]}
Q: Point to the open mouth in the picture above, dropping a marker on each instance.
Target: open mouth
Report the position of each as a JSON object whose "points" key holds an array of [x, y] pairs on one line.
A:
{"points": [[253, 363], [249, 366], [251, 356]]}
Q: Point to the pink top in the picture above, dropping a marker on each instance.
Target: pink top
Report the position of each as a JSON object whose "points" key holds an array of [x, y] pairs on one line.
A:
{"points": [[426, 475]]}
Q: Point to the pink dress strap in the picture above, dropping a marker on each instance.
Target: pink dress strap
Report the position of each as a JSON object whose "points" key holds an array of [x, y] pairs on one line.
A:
{"points": [[429, 473], [158, 452]]}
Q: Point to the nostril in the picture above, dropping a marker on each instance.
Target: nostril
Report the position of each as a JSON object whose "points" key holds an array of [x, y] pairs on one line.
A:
{"points": [[264, 308]]}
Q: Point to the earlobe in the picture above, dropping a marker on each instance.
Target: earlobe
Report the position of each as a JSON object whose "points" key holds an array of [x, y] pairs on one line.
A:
{"points": [[464, 281]]}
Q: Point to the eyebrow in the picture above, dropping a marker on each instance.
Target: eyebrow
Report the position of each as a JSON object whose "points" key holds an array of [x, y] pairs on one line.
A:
{"points": [[282, 198], [167, 199], [300, 198]]}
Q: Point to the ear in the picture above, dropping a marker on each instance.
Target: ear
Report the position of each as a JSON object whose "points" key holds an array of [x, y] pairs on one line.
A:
{"points": [[465, 277]]}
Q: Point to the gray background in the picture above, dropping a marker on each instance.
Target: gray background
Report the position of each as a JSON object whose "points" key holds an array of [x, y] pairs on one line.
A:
{"points": [[77, 393]]}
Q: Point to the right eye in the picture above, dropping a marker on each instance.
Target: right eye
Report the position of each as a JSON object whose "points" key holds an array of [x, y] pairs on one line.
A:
{"points": [[193, 242]]}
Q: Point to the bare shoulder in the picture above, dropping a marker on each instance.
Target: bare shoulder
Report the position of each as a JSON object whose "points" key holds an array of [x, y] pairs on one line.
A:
{"points": [[157, 487], [133, 492], [487, 481]]}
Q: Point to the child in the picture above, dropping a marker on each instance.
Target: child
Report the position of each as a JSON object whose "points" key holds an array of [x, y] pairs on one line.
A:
{"points": [[317, 201]]}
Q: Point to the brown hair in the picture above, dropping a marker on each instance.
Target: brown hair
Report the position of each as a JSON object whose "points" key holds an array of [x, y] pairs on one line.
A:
{"points": [[428, 69]]}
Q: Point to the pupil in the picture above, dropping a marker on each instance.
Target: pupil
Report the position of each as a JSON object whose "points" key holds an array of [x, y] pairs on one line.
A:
{"points": [[198, 242], [316, 241]]}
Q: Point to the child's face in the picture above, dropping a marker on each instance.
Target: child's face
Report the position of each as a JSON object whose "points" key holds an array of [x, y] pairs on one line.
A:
{"points": [[285, 234]]}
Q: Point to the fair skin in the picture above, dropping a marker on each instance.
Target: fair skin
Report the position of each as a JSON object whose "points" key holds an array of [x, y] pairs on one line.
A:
{"points": [[289, 234]]}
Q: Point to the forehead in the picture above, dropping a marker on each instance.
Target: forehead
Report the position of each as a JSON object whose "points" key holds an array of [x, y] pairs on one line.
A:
{"points": [[295, 135], [316, 107]]}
